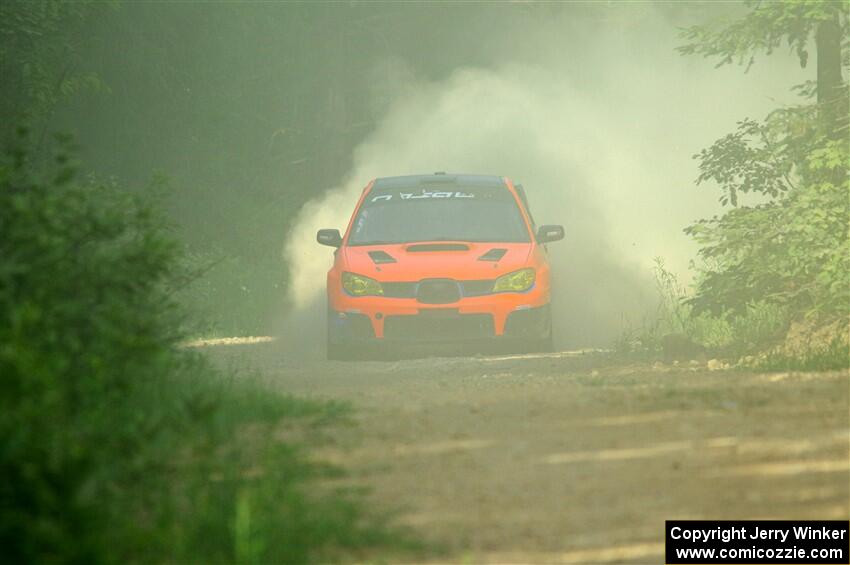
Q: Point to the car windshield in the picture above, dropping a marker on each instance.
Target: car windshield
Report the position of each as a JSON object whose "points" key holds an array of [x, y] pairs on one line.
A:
{"points": [[450, 214]]}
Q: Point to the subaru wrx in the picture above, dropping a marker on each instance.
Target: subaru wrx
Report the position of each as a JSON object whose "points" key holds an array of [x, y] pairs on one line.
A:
{"points": [[442, 258]]}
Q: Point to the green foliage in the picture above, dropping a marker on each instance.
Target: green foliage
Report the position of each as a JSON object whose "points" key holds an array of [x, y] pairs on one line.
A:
{"points": [[758, 324], [38, 58], [793, 249], [750, 160], [834, 356], [765, 28], [230, 490], [118, 445], [84, 325]]}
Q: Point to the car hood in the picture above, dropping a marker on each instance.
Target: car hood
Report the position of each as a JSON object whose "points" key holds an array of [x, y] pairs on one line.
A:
{"points": [[437, 259]]}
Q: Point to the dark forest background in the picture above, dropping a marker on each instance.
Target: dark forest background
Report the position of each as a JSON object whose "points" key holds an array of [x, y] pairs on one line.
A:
{"points": [[247, 110]]}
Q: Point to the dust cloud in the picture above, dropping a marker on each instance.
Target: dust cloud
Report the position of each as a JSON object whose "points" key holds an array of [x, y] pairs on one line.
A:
{"points": [[599, 125]]}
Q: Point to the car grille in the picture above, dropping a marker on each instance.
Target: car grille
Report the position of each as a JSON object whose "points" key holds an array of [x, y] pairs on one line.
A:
{"points": [[477, 288], [438, 291], [439, 325], [399, 289], [415, 290]]}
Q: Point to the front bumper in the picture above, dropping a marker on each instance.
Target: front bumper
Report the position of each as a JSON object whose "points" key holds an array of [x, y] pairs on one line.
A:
{"points": [[439, 325], [471, 317]]}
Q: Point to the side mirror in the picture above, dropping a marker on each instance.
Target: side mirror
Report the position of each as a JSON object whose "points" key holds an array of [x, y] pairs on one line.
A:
{"points": [[545, 234], [331, 238]]}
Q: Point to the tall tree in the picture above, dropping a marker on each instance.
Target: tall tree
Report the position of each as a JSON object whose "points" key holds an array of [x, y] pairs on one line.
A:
{"points": [[832, 94], [795, 23], [793, 249], [39, 61]]}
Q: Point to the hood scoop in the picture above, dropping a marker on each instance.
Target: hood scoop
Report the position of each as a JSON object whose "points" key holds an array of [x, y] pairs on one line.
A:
{"points": [[427, 247], [493, 255], [381, 257]]}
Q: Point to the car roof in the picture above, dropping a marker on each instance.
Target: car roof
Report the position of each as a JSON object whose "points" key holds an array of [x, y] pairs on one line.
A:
{"points": [[440, 178]]}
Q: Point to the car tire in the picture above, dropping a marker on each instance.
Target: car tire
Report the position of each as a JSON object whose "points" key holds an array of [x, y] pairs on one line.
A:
{"points": [[336, 351]]}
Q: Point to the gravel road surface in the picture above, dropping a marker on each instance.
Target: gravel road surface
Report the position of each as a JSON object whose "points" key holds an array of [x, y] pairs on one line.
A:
{"points": [[575, 457]]}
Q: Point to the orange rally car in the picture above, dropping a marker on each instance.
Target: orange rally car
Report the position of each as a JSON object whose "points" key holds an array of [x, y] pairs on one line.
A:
{"points": [[439, 258]]}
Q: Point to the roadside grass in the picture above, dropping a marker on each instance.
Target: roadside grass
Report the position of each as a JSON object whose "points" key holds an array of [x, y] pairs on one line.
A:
{"points": [[243, 491], [719, 335], [757, 338], [833, 356]]}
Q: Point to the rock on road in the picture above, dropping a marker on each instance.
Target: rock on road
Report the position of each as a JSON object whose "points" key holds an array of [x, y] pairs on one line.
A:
{"points": [[576, 458]]}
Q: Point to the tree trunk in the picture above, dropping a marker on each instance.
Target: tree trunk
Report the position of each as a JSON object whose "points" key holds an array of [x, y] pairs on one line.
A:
{"points": [[832, 96]]}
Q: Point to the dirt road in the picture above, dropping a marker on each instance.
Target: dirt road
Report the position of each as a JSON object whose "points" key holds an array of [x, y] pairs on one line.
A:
{"points": [[572, 458]]}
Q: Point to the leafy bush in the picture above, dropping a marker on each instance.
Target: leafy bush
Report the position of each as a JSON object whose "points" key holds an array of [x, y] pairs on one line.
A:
{"points": [[84, 335], [118, 445], [763, 334], [756, 326], [792, 251]]}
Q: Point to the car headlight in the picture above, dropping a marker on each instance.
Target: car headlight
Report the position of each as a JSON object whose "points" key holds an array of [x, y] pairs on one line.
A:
{"points": [[358, 285], [518, 281]]}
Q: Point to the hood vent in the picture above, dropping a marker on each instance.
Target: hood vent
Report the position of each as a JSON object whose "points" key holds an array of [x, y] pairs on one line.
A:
{"points": [[426, 247], [493, 255], [381, 257]]}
